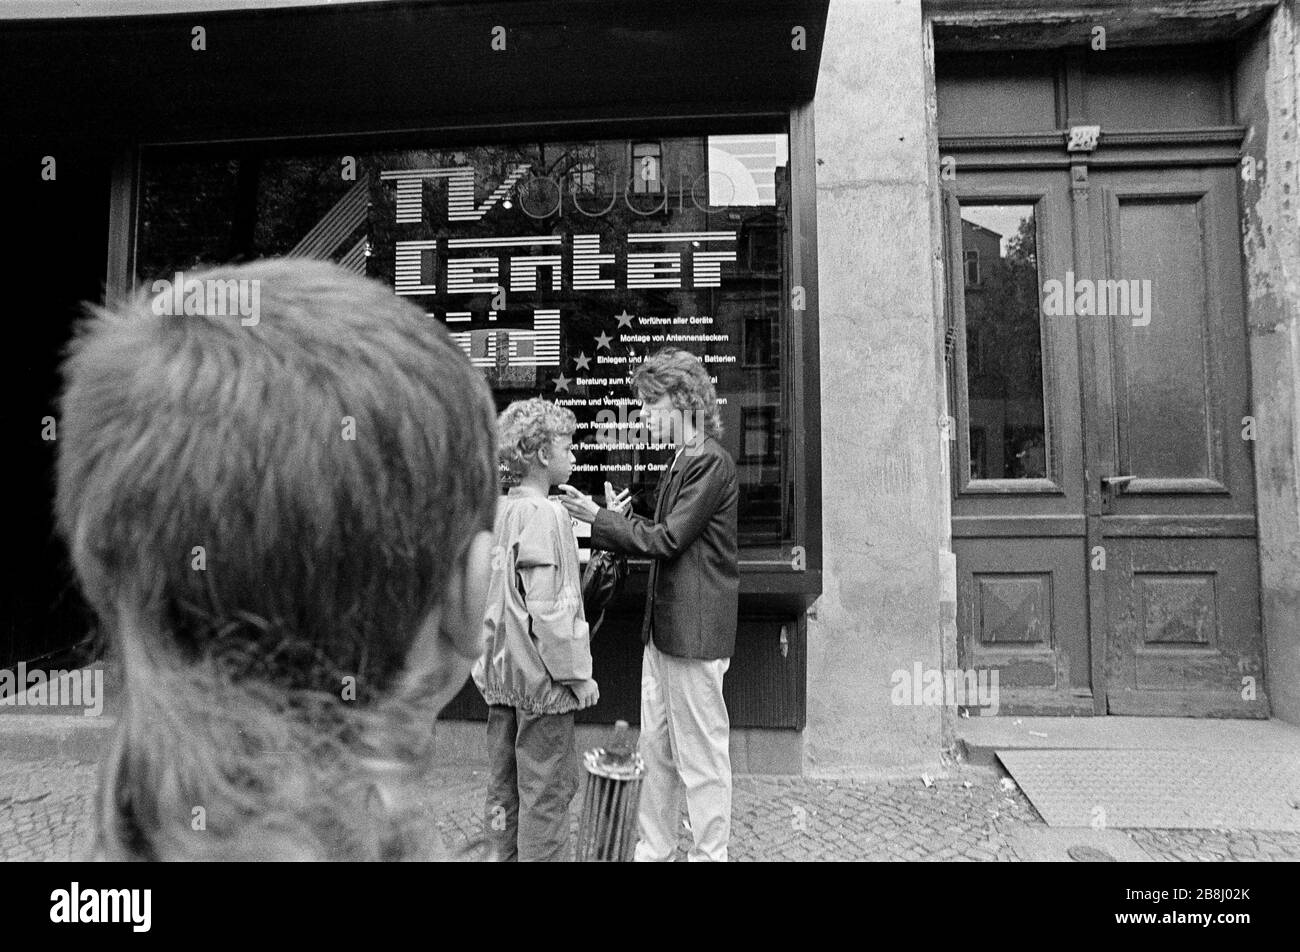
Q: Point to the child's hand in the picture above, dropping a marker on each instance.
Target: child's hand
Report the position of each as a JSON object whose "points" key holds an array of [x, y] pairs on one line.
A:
{"points": [[588, 693]]}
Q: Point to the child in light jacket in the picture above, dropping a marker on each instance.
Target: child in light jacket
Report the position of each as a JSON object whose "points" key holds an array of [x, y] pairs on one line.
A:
{"points": [[536, 667]]}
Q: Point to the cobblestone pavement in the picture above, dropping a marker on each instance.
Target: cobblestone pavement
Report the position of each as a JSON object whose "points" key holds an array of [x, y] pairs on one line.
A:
{"points": [[967, 815], [45, 810], [1218, 845]]}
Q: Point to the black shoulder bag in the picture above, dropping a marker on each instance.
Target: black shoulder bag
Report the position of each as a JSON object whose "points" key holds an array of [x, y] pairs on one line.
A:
{"points": [[602, 579]]}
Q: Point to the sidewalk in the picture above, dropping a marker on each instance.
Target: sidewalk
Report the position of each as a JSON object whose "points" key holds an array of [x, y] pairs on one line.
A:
{"points": [[967, 815], [971, 811]]}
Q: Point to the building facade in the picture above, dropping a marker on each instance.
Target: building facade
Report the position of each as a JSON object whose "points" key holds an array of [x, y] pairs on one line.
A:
{"points": [[1001, 300]]}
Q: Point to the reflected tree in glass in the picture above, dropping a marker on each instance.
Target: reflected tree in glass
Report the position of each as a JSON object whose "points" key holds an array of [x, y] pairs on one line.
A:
{"points": [[1004, 353]]}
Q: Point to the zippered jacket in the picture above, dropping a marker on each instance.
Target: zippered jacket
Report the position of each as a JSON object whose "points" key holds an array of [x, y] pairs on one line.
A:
{"points": [[536, 639]]}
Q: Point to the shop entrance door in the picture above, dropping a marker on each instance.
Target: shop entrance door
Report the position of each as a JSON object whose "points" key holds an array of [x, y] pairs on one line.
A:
{"points": [[1103, 511]]}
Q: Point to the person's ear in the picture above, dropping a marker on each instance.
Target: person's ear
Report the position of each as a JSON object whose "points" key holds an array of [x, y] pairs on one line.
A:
{"points": [[466, 597], [451, 638]]}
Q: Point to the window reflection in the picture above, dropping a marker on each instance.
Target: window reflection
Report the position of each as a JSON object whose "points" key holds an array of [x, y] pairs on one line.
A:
{"points": [[606, 249], [1004, 353], [646, 157]]}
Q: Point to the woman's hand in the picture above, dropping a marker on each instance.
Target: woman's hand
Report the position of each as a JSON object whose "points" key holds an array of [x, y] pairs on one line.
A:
{"points": [[620, 503], [579, 505]]}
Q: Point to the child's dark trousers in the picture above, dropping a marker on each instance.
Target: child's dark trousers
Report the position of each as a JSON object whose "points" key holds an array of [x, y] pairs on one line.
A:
{"points": [[533, 777]]}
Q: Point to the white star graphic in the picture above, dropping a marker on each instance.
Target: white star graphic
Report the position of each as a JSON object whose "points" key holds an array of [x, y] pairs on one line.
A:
{"points": [[624, 319], [603, 341], [582, 362], [561, 383]]}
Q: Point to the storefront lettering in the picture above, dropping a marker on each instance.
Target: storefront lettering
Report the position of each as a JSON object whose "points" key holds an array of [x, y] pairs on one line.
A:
{"points": [[478, 265], [539, 196]]}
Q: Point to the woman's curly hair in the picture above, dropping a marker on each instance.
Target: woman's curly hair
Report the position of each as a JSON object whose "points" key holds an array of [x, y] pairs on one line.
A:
{"points": [[523, 428]]}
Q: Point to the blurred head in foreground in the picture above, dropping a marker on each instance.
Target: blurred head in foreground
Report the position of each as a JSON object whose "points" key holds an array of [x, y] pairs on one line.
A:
{"points": [[283, 524]]}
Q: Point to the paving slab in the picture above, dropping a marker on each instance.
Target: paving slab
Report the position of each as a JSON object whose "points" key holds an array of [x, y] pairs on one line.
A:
{"points": [[62, 737], [1161, 789], [1127, 733]]}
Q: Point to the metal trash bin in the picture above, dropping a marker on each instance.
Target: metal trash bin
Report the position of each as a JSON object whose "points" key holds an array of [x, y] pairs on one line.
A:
{"points": [[607, 825]]}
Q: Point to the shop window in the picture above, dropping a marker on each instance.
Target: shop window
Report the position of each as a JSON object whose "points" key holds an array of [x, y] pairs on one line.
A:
{"points": [[758, 341], [592, 282], [759, 440], [763, 246], [187, 214], [979, 457]]}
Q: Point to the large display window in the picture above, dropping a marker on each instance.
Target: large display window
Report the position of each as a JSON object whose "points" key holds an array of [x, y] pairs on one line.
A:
{"points": [[557, 266]]}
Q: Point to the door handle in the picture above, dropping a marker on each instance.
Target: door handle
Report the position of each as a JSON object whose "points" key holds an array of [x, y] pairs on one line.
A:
{"points": [[1111, 484]]}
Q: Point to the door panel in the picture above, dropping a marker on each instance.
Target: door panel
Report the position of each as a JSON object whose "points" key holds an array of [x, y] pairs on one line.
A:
{"points": [[1019, 612], [1182, 587], [1184, 627]]}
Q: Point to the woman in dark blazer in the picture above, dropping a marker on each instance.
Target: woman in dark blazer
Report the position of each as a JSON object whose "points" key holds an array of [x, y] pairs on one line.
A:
{"points": [[689, 629]]}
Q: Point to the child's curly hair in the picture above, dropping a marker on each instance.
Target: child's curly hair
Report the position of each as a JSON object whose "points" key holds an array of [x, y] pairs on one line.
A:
{"points": [[523, 428]]}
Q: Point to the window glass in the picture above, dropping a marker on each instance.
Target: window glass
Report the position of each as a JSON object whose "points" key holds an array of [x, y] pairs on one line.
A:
{"points": [[1004, 349], [557, 266]]}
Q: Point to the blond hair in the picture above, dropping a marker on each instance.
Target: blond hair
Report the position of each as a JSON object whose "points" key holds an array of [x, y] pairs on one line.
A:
{"points": [[524, 427]]}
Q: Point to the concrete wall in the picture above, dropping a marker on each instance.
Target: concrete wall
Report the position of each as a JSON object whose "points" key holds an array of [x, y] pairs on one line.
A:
{"points": [[1268, 77], [885, 504]]}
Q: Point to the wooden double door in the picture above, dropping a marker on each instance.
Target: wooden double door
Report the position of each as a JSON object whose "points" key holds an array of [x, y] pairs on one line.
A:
{"points": [[1103, 507]]}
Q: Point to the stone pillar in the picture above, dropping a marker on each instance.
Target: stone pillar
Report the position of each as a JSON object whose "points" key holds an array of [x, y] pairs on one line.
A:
{"points": [[885, 501], [1268, 96]]}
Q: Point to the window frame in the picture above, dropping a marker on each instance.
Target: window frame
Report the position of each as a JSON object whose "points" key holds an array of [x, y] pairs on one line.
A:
{"points": [[971, 256], [639, 184], [963, 484]]}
